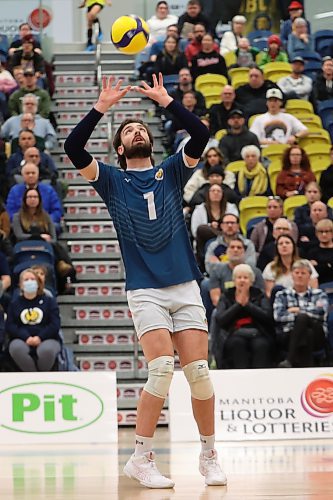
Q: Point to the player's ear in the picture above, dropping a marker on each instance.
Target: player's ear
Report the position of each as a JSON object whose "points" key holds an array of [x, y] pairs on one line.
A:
{"points": [[120, 150]]}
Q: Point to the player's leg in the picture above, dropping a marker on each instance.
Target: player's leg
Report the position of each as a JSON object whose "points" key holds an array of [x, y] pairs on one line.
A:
{"points": [[192, 348], [153, 325], [92, 18]]}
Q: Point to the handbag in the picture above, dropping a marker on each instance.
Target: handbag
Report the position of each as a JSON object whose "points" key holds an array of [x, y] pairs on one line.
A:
{"points": [[247, 333]]}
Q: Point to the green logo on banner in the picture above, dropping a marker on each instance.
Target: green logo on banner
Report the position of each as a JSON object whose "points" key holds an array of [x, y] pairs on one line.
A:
{"points": [[48, 408]]}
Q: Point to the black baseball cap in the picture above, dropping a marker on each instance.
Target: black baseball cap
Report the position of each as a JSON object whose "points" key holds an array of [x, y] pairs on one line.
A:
{"points": [[233, 112]]}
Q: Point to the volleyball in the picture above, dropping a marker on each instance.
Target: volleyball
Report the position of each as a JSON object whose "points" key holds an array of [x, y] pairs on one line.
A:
{"points": [[130, 34]]}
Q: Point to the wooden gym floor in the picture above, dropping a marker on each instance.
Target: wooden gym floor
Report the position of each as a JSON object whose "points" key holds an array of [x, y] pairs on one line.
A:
{"points": [[262, 470]]}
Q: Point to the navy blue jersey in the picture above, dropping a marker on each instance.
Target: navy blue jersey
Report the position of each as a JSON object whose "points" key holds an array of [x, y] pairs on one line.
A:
{"points": [[146, 208]]}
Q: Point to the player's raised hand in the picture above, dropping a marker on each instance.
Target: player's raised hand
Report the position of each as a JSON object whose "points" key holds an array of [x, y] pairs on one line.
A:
{"points": [[110, 93], [157, 93]]}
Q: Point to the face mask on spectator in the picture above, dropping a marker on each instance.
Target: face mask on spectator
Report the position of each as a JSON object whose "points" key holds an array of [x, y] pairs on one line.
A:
{"points": [[30, 286]]}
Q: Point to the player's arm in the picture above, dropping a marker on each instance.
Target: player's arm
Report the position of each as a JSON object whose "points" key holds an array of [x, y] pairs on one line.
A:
{"points": [[75, 143], [198, 132]]}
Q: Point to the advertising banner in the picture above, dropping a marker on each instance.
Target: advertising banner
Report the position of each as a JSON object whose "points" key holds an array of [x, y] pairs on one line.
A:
{"points": [[58, 407], [259, 405]]}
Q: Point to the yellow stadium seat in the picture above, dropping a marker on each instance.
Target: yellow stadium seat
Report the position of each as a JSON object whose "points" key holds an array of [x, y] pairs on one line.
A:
{"points": [[251, 119], [230, 58], [210, 83], [250, 207], [274, 151], [273, 171], [232, 72], [310, 120], [239, 80], [276, 70], [330, 203], [220, 133], [235, 166], [318, 166], [211, 99], [318, 152], [315, 136], [291, 203], [298, 106]]}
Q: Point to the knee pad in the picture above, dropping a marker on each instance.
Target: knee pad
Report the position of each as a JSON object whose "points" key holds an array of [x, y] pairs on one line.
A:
{"points": [[160, 372], [197, 374]]}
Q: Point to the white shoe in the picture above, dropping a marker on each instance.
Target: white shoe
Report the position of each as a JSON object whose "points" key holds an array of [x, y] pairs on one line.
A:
{"points": [[143, 468], [210, 468]]}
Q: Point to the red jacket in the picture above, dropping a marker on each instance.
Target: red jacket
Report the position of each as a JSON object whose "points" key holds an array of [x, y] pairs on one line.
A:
{"points": [[194, 47], [287, 181]]}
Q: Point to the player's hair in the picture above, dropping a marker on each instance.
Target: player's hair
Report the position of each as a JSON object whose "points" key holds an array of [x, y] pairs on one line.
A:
{"points": [[117, 140]]}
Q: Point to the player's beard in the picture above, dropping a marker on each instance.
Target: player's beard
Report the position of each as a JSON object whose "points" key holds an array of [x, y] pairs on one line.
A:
{"points": [[139, 150]]}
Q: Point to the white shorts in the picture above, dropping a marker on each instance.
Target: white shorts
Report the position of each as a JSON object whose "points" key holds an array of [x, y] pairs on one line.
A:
{"points": [[175, 308]]}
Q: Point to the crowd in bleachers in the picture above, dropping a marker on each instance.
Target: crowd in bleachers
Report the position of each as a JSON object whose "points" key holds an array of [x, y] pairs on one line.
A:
{"points": [[34, 266], [258, 206]]}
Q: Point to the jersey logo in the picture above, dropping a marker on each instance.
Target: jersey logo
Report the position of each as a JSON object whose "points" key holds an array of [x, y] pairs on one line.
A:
{"points": [[159, 174], [127, 180]]}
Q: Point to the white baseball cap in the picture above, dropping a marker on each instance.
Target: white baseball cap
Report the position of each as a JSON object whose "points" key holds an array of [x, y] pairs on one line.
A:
{"points": [[274, 93]]}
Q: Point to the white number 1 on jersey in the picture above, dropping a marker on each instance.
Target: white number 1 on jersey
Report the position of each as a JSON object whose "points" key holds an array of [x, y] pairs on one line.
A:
{"points": [[151, 205]]}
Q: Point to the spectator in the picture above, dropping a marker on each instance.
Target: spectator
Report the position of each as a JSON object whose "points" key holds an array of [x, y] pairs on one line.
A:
{"points": [[252, 178], [191, 18], [26, 139], [296, 85], [33, 222], [274, 52], [24, 30], [245, 54], [5, 281], [212, 158], [300, 314], [157, 46], [302, 213], [307, 235], [7, 81], [321, 253], [236, 137], [279, 271], [296, 173], [216, 251], [326, 180], [252, 95], [206, 219], [244, 314], [18, 75], [218, 113], [41, 272], [208, 60], [40, 126], [30, 87], [159, 22], [299, 39], [44, 162], [186, 83], [190, 103], [5, 243], [262, 232], [33, 324], [221, 279], [215, 176], [50, 200], [195, 45], [171, 60], [230, 39], [28, 58], [295, 10], [323, 86], [276, 127], [212, 142], [281, 225]]}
